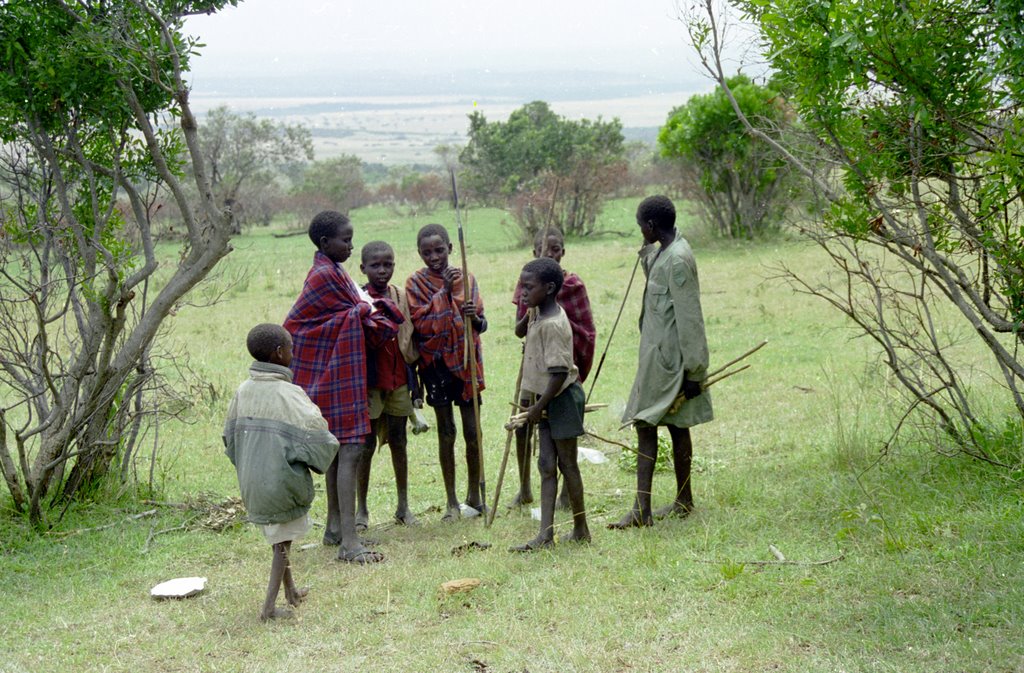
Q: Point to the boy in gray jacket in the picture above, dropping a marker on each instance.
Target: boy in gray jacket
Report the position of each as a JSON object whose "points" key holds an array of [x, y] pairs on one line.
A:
{"points": [[274, 436]]}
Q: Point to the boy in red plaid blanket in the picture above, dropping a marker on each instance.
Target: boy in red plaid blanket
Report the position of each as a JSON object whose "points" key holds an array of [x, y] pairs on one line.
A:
{"points": [[573, 299], [331, 323], [439, 305]]}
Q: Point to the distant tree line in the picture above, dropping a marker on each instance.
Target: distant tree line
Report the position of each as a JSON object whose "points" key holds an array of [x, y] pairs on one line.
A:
{"points": [[539, 166]]}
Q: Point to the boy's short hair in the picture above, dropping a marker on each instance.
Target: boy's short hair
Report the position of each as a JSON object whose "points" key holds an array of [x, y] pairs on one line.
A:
{"points": [[540, 238], [375, 248], [432, 230], [546, 270], [325, 224], [264, 339], [658, 210]]}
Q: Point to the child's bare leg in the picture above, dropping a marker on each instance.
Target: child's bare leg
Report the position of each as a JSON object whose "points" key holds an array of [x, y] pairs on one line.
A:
{"points": [[332, 530], [469, 435], [523, 451], [647, 455], [682, 457], [572, 484], [292, 593], [547, 464], [352, 548], [564, 501], [363, 477], [277, 569], [446, 456], [400, 462]]}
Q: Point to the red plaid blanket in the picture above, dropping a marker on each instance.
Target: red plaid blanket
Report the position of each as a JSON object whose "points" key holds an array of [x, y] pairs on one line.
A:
{"points": [[439, 327], [574, 300], [329, 327]]}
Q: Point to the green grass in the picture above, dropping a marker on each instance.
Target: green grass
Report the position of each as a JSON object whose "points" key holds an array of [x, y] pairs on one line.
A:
{"points": [[930, 577]]}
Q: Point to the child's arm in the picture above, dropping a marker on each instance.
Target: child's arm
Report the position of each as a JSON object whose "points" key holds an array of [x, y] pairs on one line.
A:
{"points": [[689, 322], [523, 324], [228, 436], [318, 446]]}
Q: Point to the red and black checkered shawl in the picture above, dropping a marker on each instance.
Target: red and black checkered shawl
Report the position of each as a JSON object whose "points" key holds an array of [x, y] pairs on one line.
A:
{"points": [[440, 330], [574, 300], [329, 324]]}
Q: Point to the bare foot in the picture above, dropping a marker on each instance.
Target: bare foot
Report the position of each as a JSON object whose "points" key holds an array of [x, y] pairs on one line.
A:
{"points": [[521, 499], [362, 521], [361, 557], [297, 596], [676, 509], [276, 613], [633, 519], [579, 537], [534, 545], [452, 514], [481, 508], [405, 518]]}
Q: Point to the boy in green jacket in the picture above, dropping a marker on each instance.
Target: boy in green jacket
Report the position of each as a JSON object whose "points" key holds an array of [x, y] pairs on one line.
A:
{"points": [[673, 359], [274, 436]]}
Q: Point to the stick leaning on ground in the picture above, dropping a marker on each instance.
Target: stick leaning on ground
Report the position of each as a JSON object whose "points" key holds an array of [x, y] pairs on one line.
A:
{"points": [[470, 354]]}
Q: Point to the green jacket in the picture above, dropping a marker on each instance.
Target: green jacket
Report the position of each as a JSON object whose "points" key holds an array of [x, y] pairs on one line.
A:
{"points": [[274, 435], [673, 346]]}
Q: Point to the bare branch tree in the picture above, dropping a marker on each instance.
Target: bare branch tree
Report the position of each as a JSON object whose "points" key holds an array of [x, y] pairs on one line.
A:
{"points": [[923, 188], [79, 306]]}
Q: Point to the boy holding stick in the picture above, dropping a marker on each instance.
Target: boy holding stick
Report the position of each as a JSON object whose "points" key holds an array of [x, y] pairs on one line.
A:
{"points": [[673, 361], [550, 373], [441, 302], [572, 297]]}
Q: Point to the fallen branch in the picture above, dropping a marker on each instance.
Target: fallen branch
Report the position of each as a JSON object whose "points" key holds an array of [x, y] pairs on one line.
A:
{"points": [[152, 534], [774, 563], [133, 517]]}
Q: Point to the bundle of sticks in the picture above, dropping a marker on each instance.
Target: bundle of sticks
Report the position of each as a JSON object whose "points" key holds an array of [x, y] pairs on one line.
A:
{"points": [[519, 420], [717, 375]]}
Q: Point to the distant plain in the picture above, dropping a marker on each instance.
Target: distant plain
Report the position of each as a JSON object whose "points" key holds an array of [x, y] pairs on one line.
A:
{"points": [[396, 130]]}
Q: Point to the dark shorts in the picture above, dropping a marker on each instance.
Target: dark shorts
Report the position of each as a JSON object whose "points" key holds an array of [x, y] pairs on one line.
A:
{"points": [[443, 388], [565, 413]]}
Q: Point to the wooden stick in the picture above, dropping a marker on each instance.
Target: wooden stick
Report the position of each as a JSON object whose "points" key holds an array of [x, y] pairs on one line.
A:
{"points": [[775, 563], [716, 376], [470, 346], [617, 443], [607, 345], [508, 446], [131, 517], [735, 360]]}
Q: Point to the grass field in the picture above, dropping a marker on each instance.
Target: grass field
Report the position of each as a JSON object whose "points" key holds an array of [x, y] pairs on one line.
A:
{"points": [[925, 552]]}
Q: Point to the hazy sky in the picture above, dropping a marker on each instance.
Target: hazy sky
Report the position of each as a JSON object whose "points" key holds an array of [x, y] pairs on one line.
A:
{"points": [[285, 37]]}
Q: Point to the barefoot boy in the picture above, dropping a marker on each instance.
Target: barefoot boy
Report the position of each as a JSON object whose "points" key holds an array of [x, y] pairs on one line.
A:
{"points": [[390, 401], [330, 323], [439, 305], [673, 359], [574, 301], [549, 372], [274, 435]]}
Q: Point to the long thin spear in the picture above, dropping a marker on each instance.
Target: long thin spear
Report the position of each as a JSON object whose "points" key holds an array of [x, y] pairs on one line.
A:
{"points": [[608, 344], [470, 347]]}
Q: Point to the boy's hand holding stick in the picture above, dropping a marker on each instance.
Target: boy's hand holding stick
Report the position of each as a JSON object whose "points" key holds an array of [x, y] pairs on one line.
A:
{"points": [[714, 377]]}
